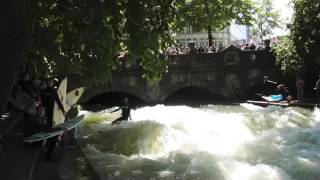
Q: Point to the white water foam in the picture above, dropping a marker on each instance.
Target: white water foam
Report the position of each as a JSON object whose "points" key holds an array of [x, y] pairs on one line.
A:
{"points": [[180, 142]]}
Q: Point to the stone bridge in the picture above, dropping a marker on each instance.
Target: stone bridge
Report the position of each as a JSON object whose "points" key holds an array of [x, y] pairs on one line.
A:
{"points": [[229, 73]]}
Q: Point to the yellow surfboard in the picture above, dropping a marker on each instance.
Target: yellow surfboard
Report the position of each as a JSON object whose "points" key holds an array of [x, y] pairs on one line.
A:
{"points": [[58, 116], [74, 96]]}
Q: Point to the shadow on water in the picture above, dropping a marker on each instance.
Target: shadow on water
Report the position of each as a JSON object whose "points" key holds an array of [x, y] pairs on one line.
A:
{"points": [[195, 97], [112, 99], [187, 96]]}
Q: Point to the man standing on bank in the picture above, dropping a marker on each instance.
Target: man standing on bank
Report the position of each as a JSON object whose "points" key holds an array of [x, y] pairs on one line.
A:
{"points": [[49, 96]]}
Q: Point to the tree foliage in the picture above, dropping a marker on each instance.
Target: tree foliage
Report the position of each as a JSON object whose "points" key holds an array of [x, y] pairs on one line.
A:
{"points": [[213, 14], [287, 57], [266, 19], [299, 52], [305, 32], [84, 37]]}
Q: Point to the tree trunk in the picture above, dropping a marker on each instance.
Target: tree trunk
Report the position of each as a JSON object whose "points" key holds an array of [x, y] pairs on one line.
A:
{"points": [[13, 39], [209, 26], [210, 36]]}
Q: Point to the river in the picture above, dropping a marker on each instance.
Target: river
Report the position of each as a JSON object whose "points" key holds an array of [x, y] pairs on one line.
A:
{"points": [[210, 142]]}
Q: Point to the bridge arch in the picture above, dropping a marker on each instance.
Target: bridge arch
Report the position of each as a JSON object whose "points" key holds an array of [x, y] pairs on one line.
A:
{"points": [[210, 87], [124, 88]]}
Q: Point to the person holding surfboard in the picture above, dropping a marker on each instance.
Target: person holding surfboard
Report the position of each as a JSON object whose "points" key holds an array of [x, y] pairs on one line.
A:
{"points": [[49, 96], [126, 108]]}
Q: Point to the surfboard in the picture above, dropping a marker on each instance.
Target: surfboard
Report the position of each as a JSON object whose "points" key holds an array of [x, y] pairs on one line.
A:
{"points": [[74, 96], [24, 102], [58, 116], [61, 128], [273, 98]]}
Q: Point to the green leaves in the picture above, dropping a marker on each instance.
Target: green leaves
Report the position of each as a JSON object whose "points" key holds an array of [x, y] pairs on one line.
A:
{"points": [[84, 37], [266, 19], [287, 57], [300, 51], [213, 14]]}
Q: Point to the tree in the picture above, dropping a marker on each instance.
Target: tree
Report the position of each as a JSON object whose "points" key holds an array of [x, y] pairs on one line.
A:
{"points": [[73, 36], [299, 52], [85, 37], [266, 19], [213, 15], [305, 33], [287, 58]]}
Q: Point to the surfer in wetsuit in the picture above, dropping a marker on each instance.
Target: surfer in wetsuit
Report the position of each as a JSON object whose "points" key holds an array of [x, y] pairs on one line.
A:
{"points": [[268, 86], [49, 96], [317, 89], [125, 107]]}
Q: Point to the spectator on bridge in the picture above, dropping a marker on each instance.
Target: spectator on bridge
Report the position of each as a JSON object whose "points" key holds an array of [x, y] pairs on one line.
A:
{"points": [[192, 48], [252, 47], [212, 49], [267, 45], [246, 47]]}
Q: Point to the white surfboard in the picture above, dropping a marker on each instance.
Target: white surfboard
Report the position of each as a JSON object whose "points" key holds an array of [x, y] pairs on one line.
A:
{"points": [[58, 116], [74, 96], [66, 126]]}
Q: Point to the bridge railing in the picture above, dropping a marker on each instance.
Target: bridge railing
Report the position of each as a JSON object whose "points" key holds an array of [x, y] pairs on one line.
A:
{"points": [[258, 58], [228, 57]]}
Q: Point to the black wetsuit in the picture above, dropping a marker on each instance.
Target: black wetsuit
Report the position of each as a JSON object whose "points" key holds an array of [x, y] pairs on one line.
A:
{"points": [[268, 87], [125, 113], [48, 96]]}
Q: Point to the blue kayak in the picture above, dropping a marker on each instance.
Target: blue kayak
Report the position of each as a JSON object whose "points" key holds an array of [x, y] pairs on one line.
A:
{"points": [[276, 97]]}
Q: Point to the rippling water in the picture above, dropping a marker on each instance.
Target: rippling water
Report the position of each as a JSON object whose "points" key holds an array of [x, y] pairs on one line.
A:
{"points": [[214, 142]]}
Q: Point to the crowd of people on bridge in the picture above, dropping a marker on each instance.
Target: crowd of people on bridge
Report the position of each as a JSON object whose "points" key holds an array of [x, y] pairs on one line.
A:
{"points": [[192, 49]]}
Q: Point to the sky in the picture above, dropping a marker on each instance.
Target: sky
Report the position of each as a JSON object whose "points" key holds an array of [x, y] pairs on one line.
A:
{"points": [[286, 12]]}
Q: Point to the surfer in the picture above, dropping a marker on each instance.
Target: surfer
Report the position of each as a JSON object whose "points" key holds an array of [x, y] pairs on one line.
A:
{"points": [[268, 85], [125, 107], [49, 96], [317, 88]]}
